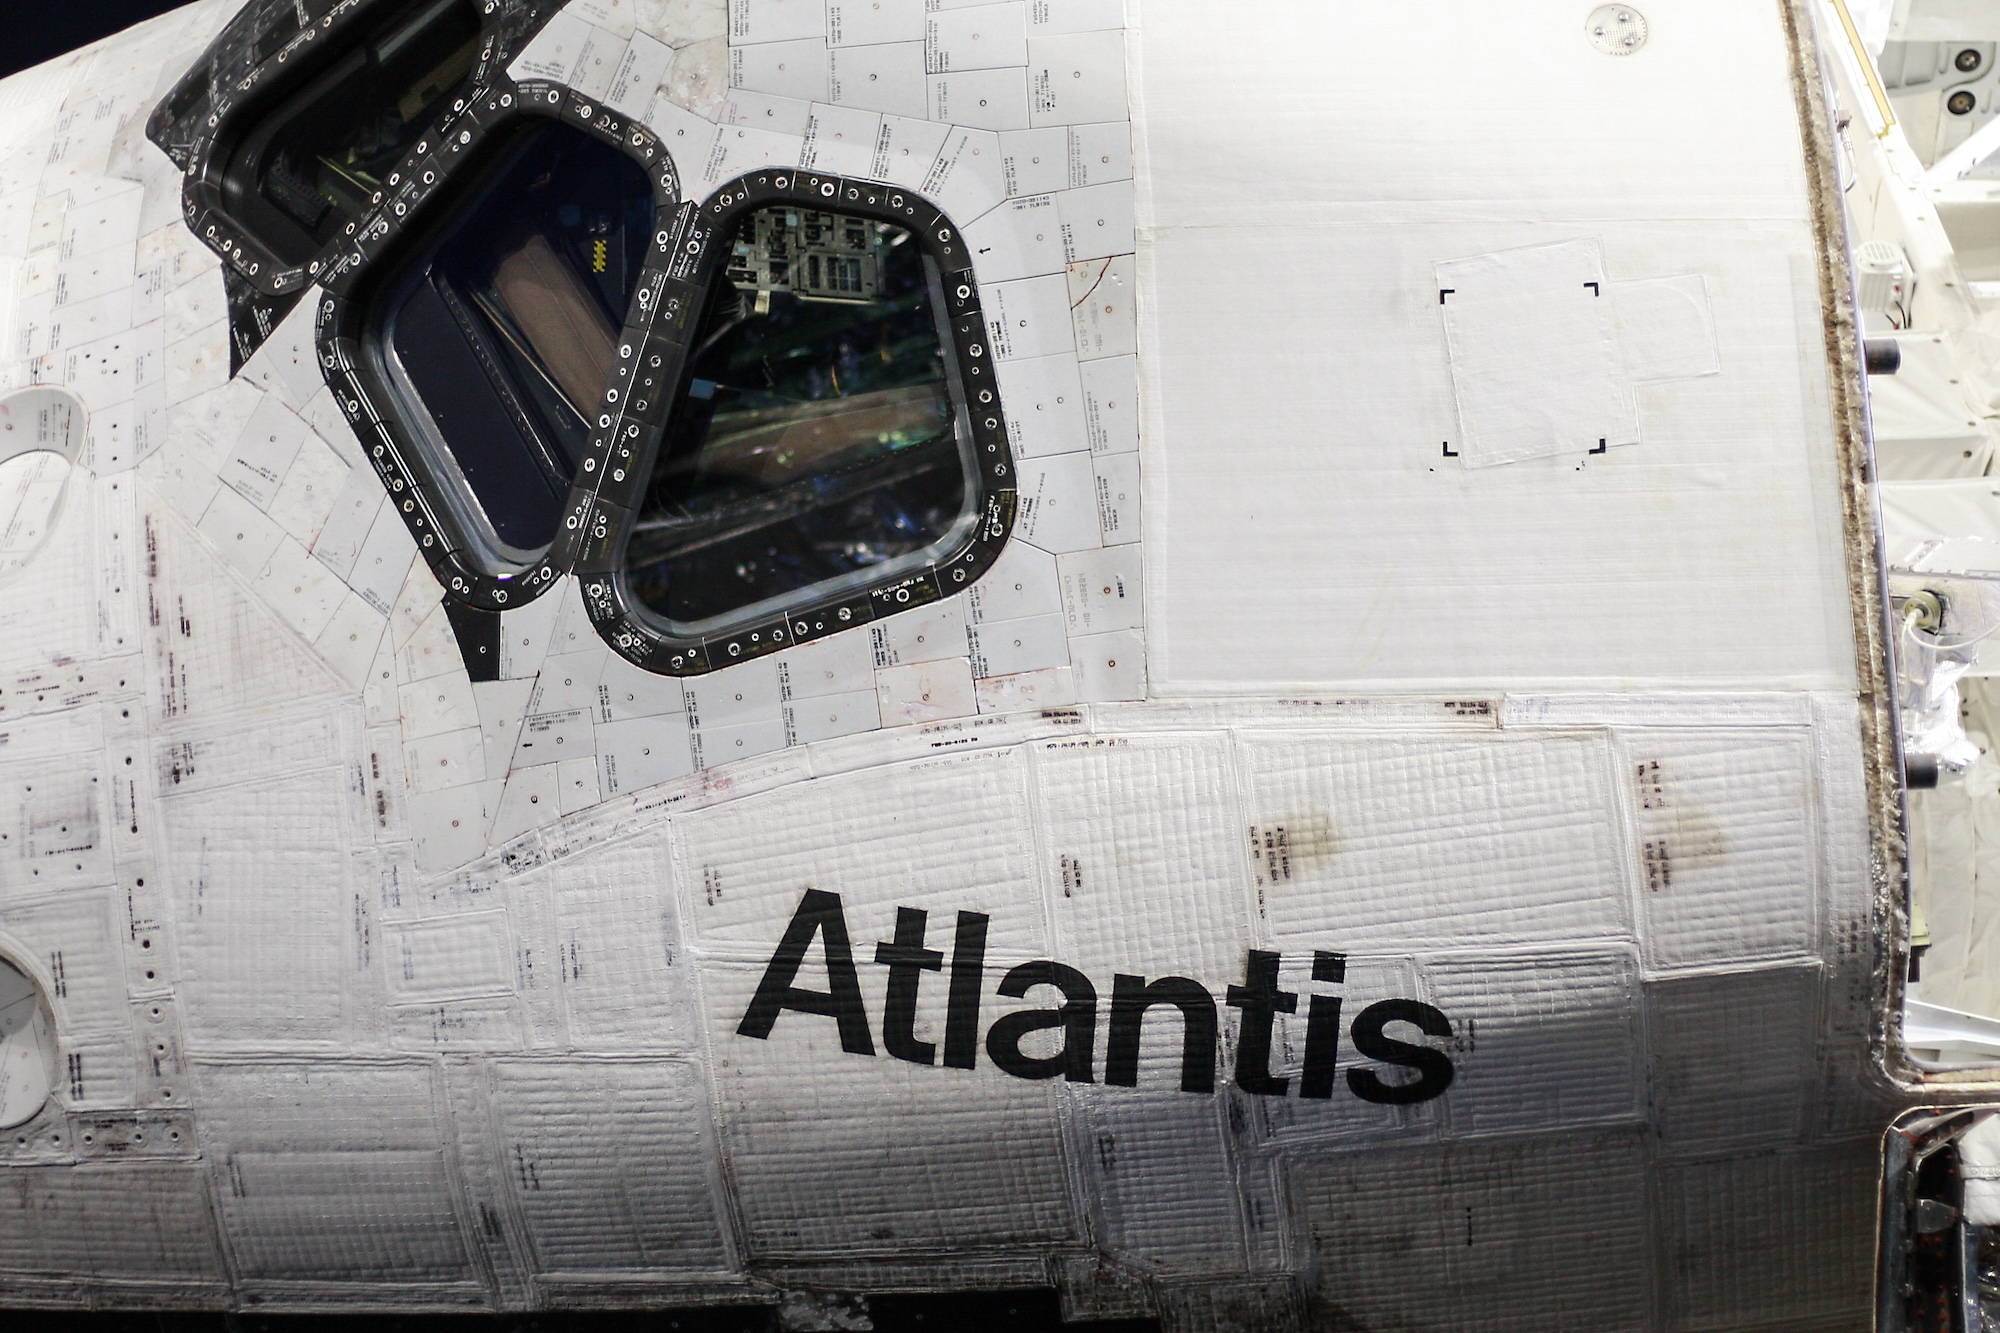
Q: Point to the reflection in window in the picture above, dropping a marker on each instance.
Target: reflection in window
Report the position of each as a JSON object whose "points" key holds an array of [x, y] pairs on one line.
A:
{"points": [[312, 163], [815, 445], [496, 333]]}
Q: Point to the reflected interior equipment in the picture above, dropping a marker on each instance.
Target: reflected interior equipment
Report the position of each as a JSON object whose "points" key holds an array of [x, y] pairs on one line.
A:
{"points": [[819, 438], [494, 329], [316, 149]]}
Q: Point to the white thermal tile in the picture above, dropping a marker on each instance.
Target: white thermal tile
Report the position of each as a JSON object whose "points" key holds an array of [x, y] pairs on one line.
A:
{"points": [[745, 693], [977, 37], [531, 798], [449, 826], [1029, 318], [689, 139], [966, 178], [525, 632], [1077, 79], [841, 140], [304, 593], [1031, 690], [625, 691], [789, 69], [888, 78], [1101, 589], [555, 50], [239, 533], [644, 751], [1009, 647], [1035, 161], [740, 149], [764, 111], [384, 560], [548, 738], [986, 99], [822, 717], [576, 783], [775, 20], [349, 641], [1022, 238], [905, 150], [837, 664], [1109, 667], [1096, 221], [450, 759], [349, 521], [925, 692], [1058, 510], [638, 76], [923, 635], [1118, 498], [1021, 583], [1103, 295], [438, 703], [312, 485], [725, 744], [868, 22], [264, 452], [1111, 403], [597, 66], [568, 681], [618, 17]]}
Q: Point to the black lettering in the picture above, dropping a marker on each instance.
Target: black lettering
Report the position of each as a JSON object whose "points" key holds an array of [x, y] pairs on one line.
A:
{"points": [[1261, 1002], [1130, 998], [968, 972], [907, 960], [819, 913], [1077, 1018], [1322, 1028], [1434, 1071]]}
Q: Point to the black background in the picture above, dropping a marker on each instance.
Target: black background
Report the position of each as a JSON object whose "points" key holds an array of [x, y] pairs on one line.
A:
{"points": [[39, 30]]}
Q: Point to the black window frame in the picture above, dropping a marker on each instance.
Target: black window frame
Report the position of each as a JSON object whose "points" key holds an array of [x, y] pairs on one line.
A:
{"points": [[199, 121], [262, 57], [699, 256]]}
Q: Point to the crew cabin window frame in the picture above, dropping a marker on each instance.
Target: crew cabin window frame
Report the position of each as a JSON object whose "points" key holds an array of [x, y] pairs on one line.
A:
{"points": [[261, 60], [196, 124], [700, 255]]}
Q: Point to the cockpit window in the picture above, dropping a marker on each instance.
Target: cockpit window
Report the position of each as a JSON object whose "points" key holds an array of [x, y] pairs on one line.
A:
{"points": [[818, 440], [314, 161], [495, 331]]}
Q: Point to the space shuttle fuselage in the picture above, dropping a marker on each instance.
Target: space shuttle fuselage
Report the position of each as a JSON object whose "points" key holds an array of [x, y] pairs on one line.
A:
{"points": [[667, 651]]}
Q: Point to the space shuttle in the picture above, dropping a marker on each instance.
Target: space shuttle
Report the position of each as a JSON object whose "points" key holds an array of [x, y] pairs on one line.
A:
{"points": [[1294, 666]]}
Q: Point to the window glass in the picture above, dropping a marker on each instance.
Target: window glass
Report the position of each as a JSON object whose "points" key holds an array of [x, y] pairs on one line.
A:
{"points": [[312, 163], [27, 1047], [496, 333], [816, 444]]}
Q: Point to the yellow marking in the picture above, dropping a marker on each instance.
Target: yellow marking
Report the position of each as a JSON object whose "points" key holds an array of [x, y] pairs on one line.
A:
{"points": [[1867, 69], [599, 253]]}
